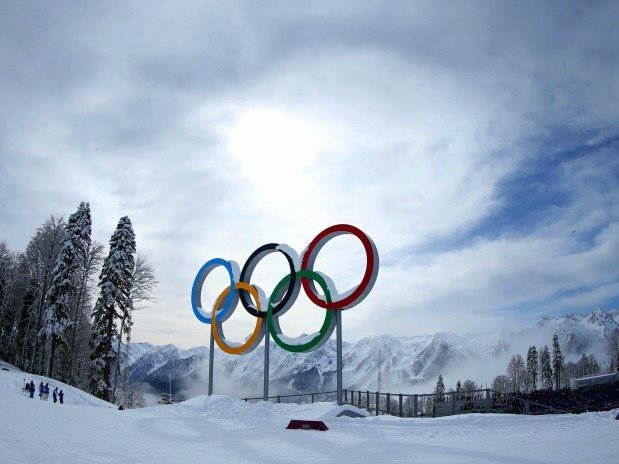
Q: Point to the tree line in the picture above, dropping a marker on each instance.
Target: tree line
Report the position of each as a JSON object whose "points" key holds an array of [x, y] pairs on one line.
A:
{"points": [[48, 322], [544, 369], [461, 388]]}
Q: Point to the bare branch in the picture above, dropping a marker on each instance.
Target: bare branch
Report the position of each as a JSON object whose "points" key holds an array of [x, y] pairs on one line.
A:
{"points": [[144, 283]]}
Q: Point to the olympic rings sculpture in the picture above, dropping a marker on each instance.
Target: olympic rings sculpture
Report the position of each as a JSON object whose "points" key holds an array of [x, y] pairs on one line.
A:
{"points": [[285, 293]]}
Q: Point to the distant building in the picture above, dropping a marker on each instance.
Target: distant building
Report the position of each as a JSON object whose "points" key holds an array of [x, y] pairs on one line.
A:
{"points": [[594, 380]]}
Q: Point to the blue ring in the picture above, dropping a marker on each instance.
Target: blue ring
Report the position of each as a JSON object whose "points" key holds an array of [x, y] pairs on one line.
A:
{"points": [[196, 290]]}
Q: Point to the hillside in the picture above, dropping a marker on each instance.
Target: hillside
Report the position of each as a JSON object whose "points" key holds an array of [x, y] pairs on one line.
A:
{"points": [[13, 380]]}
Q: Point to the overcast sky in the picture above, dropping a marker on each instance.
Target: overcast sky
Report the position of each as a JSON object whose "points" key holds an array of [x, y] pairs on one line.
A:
{"points": [[477, 143]]}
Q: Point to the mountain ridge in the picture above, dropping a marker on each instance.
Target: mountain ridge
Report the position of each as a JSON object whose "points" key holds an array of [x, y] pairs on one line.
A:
{"points": [[408, 364]]}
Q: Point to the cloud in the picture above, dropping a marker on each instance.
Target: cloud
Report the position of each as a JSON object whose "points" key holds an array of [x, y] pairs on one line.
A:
{"points": [[468, 142]]}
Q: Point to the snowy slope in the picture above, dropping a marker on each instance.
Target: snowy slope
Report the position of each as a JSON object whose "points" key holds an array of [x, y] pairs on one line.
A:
{"points": [[409, 364], [227, 430], [13, 381]]}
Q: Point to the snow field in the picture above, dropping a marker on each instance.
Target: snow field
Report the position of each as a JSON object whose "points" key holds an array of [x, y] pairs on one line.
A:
{"points": [[227, 430]]}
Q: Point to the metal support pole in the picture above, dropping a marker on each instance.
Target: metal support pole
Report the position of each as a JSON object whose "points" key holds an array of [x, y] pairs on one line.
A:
{"points": [[210, 363], [359, 399], [367, 399], [338, 319], [265, 388], [312, 397], [400, 405], [388, 403], [453, 403], [415, 407], [377, 404]]}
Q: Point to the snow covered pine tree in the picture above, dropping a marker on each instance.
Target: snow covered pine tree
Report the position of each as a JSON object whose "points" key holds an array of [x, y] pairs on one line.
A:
{"points": [[532, 369], [545, 368], [115, 284], [439, 391], [64, 278], [558, 364]]}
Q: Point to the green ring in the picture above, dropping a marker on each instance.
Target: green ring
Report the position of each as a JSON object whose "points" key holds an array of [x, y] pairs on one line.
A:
{"points": [[326, 328]]}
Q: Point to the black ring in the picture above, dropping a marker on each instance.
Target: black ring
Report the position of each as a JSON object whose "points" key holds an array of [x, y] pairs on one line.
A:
{"points": [[291, 292]]}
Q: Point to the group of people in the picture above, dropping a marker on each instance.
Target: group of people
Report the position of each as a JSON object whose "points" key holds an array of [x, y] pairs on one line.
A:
{"points": [[44, 392]]}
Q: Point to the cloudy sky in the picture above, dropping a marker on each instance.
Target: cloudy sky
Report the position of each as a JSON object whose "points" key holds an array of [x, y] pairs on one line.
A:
{"points": [[477, 143]]}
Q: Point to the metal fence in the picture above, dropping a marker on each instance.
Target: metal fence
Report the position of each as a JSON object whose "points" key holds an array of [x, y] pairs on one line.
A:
{"points": [[446, 404], [424, 404]]}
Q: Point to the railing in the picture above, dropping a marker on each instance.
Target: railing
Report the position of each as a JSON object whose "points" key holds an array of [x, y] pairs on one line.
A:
{"points": [[424, 404], [434, 405]]}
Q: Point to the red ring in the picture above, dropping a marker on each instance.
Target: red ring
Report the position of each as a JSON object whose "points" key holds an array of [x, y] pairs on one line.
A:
{"points": [[370, 271]]}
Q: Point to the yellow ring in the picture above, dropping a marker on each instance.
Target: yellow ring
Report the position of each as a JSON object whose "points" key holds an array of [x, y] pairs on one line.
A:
{"points": [[254, 339]]}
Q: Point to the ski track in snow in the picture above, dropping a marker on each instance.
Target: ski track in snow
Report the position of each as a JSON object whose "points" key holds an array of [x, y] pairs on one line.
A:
{"points": [[228, 430]]}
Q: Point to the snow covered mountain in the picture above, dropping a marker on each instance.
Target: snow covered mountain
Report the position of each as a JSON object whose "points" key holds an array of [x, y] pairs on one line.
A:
{"points": [[407, 364]]}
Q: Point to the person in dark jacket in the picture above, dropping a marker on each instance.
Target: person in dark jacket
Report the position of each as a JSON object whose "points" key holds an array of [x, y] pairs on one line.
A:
{"points": [[31, 389], [55, 394], [41, 388], [60, 396], [46, 392]]}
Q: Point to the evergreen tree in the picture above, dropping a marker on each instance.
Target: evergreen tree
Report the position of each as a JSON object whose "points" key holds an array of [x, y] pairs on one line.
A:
{"points": [[532, 368], [64, 279], [459, 389], [558, 364], [427, 405], [587, 365], [594, 367], [115, 287], [439, 391], [29, 284], [545, 367], [582, 366], [16, 317]]}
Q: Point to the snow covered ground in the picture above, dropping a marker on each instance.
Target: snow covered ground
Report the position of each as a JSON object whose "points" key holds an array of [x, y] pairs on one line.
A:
{"points": [[226, 430]]}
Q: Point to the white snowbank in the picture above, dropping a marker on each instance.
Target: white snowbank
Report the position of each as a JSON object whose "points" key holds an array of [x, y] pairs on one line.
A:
{"points": [[224, 429]]}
